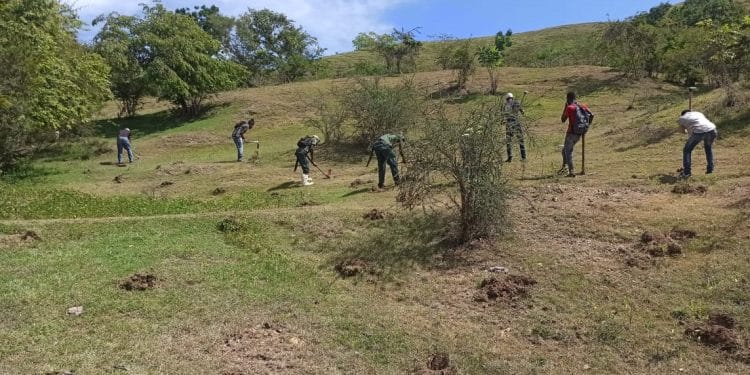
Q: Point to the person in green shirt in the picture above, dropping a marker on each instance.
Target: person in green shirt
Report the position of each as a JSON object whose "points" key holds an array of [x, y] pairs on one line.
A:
{"points": [[383, 149]]}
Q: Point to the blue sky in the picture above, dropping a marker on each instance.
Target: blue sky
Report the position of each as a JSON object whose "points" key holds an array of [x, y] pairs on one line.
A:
{"points": [[336, 22]]}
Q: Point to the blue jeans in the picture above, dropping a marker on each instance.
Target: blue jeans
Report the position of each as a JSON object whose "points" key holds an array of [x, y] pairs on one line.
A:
{"points": [[240, 147], [385, 156], [124, 143], [567, 152], [708, 139]]}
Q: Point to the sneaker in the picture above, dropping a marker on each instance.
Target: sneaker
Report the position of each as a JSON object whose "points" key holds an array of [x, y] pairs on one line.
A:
{"points": [[684, 175], [509, 160], [709, 172], [571, 174]]}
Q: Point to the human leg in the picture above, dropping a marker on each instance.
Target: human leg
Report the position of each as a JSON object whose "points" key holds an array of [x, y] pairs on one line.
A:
{"points": [[570, 142], [119, 151], [393, 163], [238, 142], [129, 149], [687, 152], [708, 143], [382, 155]]}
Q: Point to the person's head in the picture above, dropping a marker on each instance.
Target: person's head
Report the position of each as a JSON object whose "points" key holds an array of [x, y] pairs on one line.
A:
{"points": [[315, 139], [127, 129], [509, 96], [684, 112], [251, 122], [571, 97]]}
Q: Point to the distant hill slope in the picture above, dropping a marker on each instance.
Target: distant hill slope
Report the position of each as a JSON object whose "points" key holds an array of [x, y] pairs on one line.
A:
{"points": [[557, 46]]}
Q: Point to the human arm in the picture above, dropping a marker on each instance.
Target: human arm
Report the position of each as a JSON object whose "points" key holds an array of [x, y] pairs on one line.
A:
{"points": [[564, 116], [401, 152], [370, 158]]}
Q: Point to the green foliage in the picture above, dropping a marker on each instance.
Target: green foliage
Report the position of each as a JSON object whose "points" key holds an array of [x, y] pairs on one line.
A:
{"points": [[48, 80], [180, 59], [461, 156], [212, 22], [330, 118], [268, 43], [376, 109], [491, 58], [503, 41], [116, 43], [398, 49], [632, 47]]}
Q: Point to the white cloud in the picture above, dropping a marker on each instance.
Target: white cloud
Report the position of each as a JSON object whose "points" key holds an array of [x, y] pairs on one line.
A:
{"points": [[334, 22]]}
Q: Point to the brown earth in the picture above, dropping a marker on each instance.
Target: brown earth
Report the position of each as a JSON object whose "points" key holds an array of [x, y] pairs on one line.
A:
{"points": [[686, 188], [139, 282], [9, 241], [119, 179], [218, 191], [267, 349], [438, 364], [719, 331], [508, 289], [352, 267]]}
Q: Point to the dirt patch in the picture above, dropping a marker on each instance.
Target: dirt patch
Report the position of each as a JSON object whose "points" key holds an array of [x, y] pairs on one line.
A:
{"points": [[655, 244], [352, 267], [9, 241], [119, 179], [180, 168], [193, 139], [229, 225], [438, 364], [308, 204], [374, 214], [266, 349], [166, 183], [720, 331], [511, 288], [139, 282], [682, 234], [686, 188], [218, 191], [61, 372]]}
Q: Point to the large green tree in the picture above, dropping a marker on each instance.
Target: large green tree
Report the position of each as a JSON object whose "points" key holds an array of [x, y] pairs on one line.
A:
{"points": [[48, 80], [398, 49], [269, 44], [210, 19]]}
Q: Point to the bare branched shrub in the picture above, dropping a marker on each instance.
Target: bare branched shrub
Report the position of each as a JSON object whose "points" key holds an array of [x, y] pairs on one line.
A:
{"points": [[458, 164], [330, 117]]}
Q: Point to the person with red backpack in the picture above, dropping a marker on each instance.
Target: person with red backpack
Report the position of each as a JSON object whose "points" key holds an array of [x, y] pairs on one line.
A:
{"points": [[579, 118]]}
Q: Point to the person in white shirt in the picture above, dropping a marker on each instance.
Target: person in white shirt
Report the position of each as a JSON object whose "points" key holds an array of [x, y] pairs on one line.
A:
{"points": [[700, 130], [123, 143]]}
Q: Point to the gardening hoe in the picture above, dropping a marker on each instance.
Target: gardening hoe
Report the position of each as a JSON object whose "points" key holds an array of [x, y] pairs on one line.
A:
{"points": [[690, 94], [316, 166], [369, 160], [523, 98], [296, 164], [256, 155]]}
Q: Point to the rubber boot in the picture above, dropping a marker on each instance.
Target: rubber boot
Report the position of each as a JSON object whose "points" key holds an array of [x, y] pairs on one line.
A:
{"points": [[306, 180]]}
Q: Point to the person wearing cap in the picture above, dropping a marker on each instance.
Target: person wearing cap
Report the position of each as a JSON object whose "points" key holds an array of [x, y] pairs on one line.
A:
{"points": [[238, 135], [383, 150], [123, 142], [305, 151], [699, 129], [513, 129]]}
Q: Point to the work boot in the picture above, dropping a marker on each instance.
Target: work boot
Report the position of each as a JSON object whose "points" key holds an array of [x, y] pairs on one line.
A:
{"points": [[509, 159], [306, 180]]}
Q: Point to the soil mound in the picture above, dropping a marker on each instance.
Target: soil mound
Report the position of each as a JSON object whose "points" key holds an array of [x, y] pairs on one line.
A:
{"points": [[508, 289], [119, 179], [139, 282], [438, 364], [374, 214], [690, 189], [18, 239], [719, 331], [352, 267], [218, 191], [359, 182], [166, 183], [656, 245]]}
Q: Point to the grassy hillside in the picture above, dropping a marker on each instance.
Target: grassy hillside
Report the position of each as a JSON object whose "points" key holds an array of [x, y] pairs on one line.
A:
{"points": [[245, 260], [558, 46]]}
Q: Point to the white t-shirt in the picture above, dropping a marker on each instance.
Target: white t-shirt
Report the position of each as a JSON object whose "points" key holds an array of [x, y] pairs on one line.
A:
{"points": [[696, 123]]}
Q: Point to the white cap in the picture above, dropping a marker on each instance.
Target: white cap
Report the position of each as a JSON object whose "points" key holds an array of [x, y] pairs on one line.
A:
{"points": [[317, 140], [508, 95]]}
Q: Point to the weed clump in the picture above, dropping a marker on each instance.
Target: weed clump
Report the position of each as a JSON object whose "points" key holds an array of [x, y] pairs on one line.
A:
{"points": [[374, 214], [229, 224], [352, 267]]}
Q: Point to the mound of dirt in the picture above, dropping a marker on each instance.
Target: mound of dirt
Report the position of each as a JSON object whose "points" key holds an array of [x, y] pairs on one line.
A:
{"points": [[218, 191], [352, 267], [308, 204], [508, 289], [686, 188], [139, 282], [19, 239], [166, 183], [719, 331], [438, 364], [30, 235], [61, 372], [682, 234], [229, 225], [119, 179], [374, 214], [359, 182], [658, 245], [266, 349], [179, 167]]}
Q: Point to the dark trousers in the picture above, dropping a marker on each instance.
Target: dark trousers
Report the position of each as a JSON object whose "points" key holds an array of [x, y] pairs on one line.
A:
{"points": [[385, 156], [303, 162], [513, 130], [708, 139]]}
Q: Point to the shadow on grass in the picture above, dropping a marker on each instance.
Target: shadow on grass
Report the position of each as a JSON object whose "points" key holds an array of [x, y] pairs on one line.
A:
{"points": [[26, 172], [649, 135], [539, 178], [355, 192], [151, 123], [735, 124], [284, 186], [665, 179], [589, 85], [397, 245]]}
